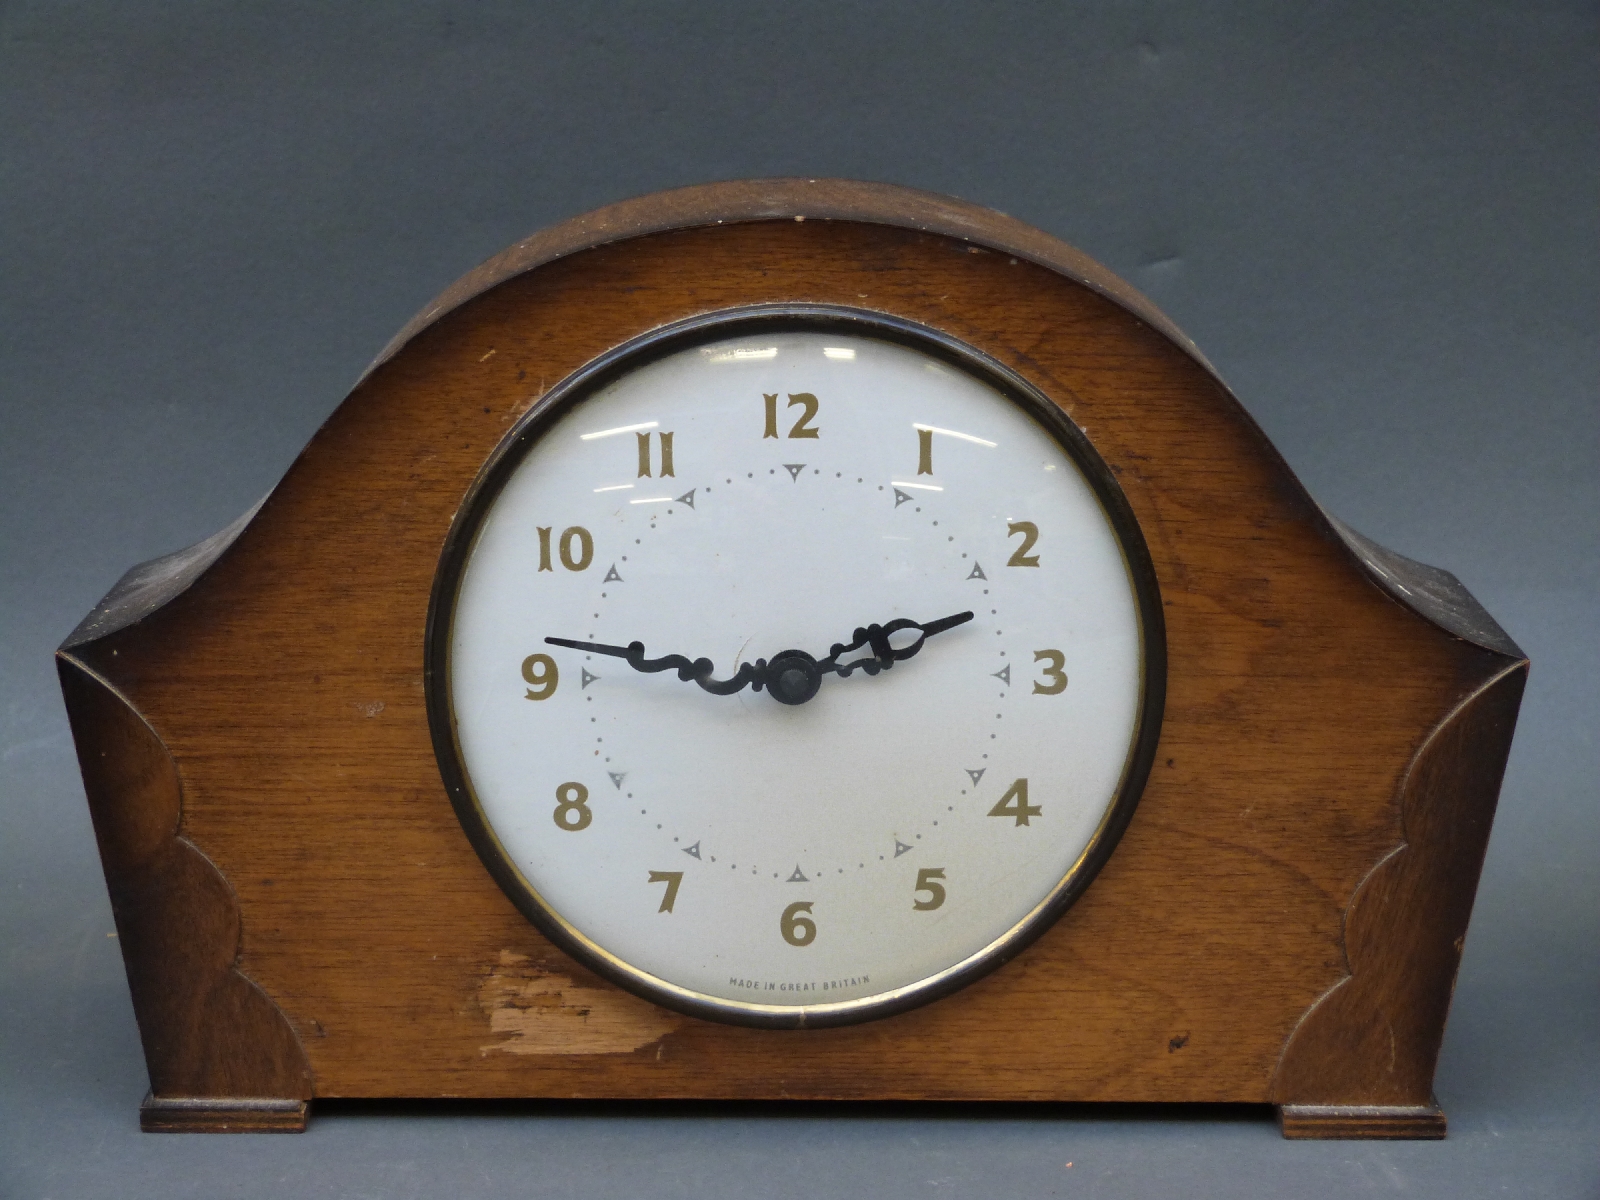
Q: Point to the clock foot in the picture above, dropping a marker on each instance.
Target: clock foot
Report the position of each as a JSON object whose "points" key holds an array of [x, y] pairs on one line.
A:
{"points": [[1367, 1121], [223, 1114]]}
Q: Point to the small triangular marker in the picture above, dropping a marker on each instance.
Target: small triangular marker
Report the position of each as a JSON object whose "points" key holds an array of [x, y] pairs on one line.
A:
{"points": [[976, 572], [794, 470], [798, 876], [588, 678], [686, 498], [976, 775], [900, 497], [900, 847], [612, 576], [617, 777], [1004, 675], [694, 849]]}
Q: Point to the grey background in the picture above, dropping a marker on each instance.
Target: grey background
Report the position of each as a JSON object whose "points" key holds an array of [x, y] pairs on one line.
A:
{"points": [[1378, 220]]}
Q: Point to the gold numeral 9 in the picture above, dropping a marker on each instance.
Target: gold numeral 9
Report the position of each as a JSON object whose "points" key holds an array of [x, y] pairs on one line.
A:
{"points": [[572, 807], [798, 930], [1053, 672], [925, 883], [541, 673]]}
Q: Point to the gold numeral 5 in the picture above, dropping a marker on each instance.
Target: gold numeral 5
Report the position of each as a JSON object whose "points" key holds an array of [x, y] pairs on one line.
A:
{"points": [[925, 883]]}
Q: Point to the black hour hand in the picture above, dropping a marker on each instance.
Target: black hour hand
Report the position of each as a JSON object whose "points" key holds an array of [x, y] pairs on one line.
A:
{"points": [[699, 670]]}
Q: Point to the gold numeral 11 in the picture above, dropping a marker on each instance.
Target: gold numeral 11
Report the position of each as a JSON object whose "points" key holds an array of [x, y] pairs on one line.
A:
{"points": [[644, 454]]}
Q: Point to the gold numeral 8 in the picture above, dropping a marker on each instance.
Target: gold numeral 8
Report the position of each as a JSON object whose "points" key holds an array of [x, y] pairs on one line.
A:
{"points": [[572, 807]]}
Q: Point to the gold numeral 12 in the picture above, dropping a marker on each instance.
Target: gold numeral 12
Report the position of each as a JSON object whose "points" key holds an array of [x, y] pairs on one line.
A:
{"points": [[802, 427]]}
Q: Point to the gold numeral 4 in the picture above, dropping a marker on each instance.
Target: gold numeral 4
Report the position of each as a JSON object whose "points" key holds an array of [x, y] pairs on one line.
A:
{"points": [[1021, 809]]}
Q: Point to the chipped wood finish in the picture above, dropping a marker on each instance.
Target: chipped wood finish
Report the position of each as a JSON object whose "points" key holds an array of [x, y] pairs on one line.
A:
{"points": [[1280, 924], [536, 1010]]}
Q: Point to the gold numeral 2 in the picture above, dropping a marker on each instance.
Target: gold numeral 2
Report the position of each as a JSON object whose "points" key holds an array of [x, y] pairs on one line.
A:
{"points": [[572, 807], [1021, 810], [541, 673], [1030, 534], [798, 930], [644, 454], [1054, 673], [802, 427], [672, 879], [925, 883]]}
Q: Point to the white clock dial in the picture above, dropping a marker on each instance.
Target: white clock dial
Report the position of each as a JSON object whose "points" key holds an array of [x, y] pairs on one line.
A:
{"points": [[782, 490]]}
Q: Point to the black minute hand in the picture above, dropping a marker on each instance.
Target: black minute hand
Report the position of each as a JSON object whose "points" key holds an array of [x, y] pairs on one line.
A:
{"points": [[792, 676]]}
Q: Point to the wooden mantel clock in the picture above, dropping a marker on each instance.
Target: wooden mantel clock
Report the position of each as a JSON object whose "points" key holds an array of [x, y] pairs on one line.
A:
{"points": [[792, 639]]}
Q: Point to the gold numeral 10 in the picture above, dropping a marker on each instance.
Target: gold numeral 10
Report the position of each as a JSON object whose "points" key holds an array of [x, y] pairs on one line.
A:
{"points": [[1020, 809], [802, 427], [575, 545], [539, 670], [798, 930], [572, 807]]}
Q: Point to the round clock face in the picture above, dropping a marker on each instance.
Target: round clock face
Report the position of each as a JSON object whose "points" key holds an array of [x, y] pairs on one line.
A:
{"points": [[795, 671]]}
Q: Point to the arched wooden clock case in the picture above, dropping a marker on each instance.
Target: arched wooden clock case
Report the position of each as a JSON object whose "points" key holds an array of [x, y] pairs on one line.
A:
{"points": [[302, 914]]}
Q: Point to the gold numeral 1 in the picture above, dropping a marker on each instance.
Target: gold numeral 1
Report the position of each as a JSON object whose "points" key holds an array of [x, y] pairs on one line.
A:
{"points": [[1021, 810], [924, 451], [1053, 672], [672, 879]]}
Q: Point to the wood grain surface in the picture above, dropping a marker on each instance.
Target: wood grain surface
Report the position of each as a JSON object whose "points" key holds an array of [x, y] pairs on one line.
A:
{"points": [[1323, 741]]}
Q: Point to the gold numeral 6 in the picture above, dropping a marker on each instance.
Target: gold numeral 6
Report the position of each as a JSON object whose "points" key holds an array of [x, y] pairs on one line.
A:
{"points": [[541, 673], [925, 883], [572, 807], [798, 930]]}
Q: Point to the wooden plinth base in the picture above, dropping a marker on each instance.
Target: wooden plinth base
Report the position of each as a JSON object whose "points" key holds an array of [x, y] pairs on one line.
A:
{"points": [[1373, 1121], [222, 1114]]}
